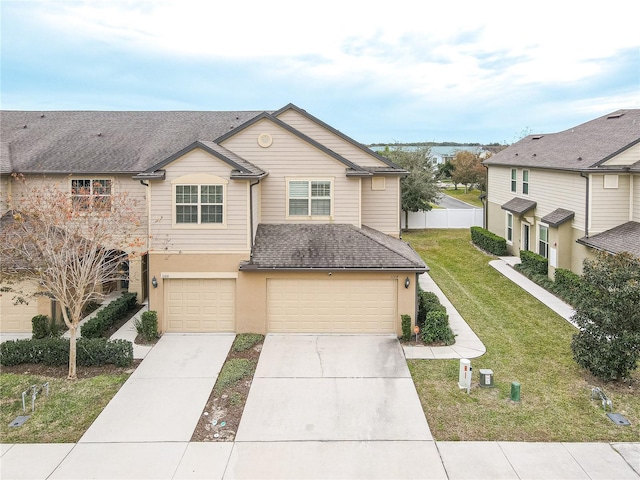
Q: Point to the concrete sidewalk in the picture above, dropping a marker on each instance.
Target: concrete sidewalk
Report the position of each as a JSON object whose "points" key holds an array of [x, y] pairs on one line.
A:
{"points": [[467, 345]]}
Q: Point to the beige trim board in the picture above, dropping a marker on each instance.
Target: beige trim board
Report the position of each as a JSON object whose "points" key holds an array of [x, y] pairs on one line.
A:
{"points": [[169, 275], [200, 252]]}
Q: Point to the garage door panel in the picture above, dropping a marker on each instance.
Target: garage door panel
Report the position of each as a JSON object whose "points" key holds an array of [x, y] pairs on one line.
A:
{"points": [[200, 305], [338, 306]]}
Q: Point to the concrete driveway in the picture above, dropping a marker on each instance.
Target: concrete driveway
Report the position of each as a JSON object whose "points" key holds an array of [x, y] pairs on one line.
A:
{"points": [[333, 406]]}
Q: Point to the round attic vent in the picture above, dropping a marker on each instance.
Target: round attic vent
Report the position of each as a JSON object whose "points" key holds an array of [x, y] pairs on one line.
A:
{"points": [[265, 140]]}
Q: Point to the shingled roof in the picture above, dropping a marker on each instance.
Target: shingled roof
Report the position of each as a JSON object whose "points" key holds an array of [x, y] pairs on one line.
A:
{"points": [[336, 246], [104, 142], [579, 148], [623, 238], [519, 205], [558, 217]]}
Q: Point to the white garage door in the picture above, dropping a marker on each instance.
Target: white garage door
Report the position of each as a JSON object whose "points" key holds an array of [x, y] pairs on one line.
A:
{"points": [[200, 305], [15, 316], [332, 306]]}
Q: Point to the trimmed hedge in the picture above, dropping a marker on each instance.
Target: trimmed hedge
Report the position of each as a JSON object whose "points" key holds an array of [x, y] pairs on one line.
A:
{"points": [[534, 263], [105, 318], [427, 301], [55, 352], [40, 326], [406, 327], [437, 329], [488, 241]]}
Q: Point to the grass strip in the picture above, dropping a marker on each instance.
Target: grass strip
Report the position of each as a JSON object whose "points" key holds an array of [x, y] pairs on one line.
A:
{"points": [[526, 342]]}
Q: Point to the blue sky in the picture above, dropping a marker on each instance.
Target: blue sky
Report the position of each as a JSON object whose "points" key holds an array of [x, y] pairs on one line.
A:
{"points": [[464, 71]]}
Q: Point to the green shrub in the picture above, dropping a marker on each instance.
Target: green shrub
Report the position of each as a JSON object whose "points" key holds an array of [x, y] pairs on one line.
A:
{"points": [[406, 327], [488, 241], [534, 263], [245, 341], [105, 318], [436, 328], [232, 371], [40, 326], [55, 352], [150, 325], [427, 302]]}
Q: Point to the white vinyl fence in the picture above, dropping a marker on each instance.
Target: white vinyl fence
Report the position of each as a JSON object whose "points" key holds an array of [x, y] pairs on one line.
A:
{"points": [[445, 218]]}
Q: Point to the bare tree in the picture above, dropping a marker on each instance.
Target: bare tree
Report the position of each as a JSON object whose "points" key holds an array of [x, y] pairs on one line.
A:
{"points": [[73, 242]]}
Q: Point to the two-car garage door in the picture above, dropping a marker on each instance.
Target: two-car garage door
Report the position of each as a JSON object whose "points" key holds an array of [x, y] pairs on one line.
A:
{"points": [[332, 305], [200, 304]]}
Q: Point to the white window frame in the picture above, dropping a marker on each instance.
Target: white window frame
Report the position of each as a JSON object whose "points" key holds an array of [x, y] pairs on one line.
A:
{"points": [[93, 194], [310, 197], [514, 180], [199, 181], [509, 228], [525, 183], [540, 241], [525, 241]]}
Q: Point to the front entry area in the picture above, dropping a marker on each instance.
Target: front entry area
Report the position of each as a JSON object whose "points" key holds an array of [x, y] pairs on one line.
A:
{"points": [[332, 305], [200, 304]]}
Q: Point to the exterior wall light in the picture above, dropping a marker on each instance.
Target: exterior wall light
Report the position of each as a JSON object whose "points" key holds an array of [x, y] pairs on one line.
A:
{"points": [[407, 282], [154, 282]]}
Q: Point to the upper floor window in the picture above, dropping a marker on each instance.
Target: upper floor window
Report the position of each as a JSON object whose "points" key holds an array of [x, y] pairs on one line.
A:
{"points": [[543, 241], [199, 204], [525, 182], [91, 194], [514, 179], [309, 197]]}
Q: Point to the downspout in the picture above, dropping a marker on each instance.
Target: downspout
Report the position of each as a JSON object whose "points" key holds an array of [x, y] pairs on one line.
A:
{"points": [[586, 206], [251, 185], [485, 202]]}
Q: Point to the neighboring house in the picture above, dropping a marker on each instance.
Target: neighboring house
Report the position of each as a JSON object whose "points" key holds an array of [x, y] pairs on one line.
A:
{"points": [[255, 221], [565, 194]]}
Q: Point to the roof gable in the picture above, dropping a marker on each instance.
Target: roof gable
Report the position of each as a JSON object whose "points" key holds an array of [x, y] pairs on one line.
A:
{"points": [[266, 116], [392, 166]]}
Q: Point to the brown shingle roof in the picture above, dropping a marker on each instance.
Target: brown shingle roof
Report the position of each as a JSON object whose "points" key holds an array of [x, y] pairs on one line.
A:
{"points": [[579, 148], [519, 205], [623, 238], [558, 217], [336, 246], [104, 142]]}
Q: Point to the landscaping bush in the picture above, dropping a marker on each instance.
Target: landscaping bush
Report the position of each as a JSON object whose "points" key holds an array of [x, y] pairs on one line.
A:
{"points": [[105, 318], [427, 301], [534, 263], [570, 286], [406, 327], [150, 325], [40, 326], [55, 352], [488, 241], [436, 328], [244, 341]]}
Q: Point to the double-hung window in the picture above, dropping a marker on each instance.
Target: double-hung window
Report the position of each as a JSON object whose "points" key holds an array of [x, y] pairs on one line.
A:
{"points": [[309, 198], [543, 241], [91, 194], [514, 179], [199, 204], [525, 182], [509, 227]]}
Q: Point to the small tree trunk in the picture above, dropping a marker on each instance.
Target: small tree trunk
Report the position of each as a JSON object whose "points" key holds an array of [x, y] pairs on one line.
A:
{"points": [[406, 219], [72, 353]]}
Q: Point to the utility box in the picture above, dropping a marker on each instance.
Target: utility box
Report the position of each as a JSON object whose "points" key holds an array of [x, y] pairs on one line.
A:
{"points": [[464, 378], [486, 377]]}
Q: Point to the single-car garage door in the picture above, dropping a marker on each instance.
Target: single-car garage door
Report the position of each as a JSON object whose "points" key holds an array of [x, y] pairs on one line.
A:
{"points": [[200, 304], [332, 306]]}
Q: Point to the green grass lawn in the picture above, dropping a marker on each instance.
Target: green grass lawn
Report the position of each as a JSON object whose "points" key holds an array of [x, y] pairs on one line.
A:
{"points": [[526, 342], [470, 197], [61, 417]]}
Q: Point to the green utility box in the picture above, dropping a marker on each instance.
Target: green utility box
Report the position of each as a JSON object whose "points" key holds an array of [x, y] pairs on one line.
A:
{"points": [[515, 391], [486, 377]]}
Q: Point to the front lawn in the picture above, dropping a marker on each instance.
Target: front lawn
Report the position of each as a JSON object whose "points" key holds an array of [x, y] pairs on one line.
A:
{"points": [[526, 342], [470, 197], [63, 416]]}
